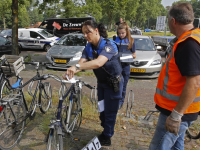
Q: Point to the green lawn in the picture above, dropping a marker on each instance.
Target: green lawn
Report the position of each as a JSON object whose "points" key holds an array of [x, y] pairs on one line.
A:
{"points": [[152, 33]]}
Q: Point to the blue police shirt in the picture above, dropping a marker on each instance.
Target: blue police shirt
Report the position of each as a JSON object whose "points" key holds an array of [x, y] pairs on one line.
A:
{"points": [[107, 48], [123, 44]]}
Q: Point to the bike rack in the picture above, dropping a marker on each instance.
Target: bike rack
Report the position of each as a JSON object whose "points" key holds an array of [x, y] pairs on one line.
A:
{"points": [[93, 98], [148, 115], [129, 95]]}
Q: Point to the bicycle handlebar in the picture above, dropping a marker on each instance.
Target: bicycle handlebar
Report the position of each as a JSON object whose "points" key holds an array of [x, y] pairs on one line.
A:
{"points": [[88, 86]]}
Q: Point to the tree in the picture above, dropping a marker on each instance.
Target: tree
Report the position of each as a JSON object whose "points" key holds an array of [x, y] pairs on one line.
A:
{"points": [[131, 10], [111, 7], [92, 8], [23, 16], [5, 6], [34, 16]]}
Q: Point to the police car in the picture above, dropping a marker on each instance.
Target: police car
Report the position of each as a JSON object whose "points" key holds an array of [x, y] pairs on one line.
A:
{"points": [[35, 38]]}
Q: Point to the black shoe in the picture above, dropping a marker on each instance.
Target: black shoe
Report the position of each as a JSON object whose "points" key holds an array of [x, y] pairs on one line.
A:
{"points": [[104, 140]]}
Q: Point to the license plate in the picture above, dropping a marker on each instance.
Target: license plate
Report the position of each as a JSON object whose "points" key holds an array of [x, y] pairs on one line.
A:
{"points": [[94, 144], [137, 70], [60, 61]]}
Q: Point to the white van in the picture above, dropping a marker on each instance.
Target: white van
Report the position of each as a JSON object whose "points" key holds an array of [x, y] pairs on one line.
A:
{"points": [[36, 38]]}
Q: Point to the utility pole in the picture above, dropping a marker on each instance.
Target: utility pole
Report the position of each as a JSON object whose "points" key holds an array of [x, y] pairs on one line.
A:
{"points": [[15, 50]]}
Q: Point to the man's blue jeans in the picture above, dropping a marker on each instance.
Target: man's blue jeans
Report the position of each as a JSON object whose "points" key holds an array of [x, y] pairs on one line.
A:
{"points": [[164, 140]]}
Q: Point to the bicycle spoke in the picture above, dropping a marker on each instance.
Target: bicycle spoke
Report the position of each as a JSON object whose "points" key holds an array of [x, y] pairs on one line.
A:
{"points": [[11, 126], [45, 97]]}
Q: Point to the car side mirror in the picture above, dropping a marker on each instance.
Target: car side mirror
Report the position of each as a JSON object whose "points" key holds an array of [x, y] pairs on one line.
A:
{"points": [[38, 37], [159, 48]]}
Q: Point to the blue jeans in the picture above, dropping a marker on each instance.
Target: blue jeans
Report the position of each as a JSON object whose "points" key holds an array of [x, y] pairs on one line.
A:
{"points": [[164, 140]]}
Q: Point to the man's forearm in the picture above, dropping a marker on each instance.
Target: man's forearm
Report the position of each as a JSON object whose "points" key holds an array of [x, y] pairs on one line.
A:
{"points": [[188, 94]]}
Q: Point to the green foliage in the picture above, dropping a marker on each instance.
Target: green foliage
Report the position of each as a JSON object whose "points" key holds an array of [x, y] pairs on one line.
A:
{"points": [[140, 13]]}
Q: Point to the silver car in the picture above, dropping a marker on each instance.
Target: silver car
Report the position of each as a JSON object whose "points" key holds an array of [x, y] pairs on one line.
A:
{"points": [[67, 51], [148, 62]]}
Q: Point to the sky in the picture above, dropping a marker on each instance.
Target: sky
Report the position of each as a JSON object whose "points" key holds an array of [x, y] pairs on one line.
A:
{"points": [[168, 2]]}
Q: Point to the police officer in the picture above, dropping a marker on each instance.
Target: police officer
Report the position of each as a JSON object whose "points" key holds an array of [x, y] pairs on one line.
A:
{"points": [[101, 55], [126, 46]]}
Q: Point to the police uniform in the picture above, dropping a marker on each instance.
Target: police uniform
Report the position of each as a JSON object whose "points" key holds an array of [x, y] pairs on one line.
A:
{"points": [[112, 67], [122, 45]]}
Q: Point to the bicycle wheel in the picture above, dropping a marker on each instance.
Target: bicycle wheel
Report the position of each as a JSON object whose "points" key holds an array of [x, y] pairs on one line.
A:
{"points": [[193, 131], [45, 96], [75, 117], [55, 140], [11, 124], [5, 88]]}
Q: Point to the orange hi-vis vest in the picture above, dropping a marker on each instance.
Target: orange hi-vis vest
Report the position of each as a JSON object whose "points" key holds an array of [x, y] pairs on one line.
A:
{"points": [[171, 82]]}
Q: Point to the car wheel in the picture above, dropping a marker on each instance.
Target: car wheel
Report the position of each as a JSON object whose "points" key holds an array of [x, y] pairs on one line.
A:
{"points": [[47, 47]]}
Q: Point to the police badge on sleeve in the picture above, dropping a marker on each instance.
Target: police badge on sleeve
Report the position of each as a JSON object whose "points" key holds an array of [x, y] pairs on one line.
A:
{"points": [[108, 49]]}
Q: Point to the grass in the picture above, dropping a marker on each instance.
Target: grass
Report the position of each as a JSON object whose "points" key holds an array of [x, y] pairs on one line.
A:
{"points": [[157, 33], [85, 73], [152, 33], [29, 58], [111, 34]]}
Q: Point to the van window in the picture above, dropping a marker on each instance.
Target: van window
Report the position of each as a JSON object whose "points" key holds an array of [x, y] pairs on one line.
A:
{"points": [[45, 34], [35, 35]]}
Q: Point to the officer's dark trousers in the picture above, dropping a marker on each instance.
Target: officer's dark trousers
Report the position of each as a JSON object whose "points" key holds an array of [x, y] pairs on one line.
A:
{"points": [[111, 105], [126, 75]]}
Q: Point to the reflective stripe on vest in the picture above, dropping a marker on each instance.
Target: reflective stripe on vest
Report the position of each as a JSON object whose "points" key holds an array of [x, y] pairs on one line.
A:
{"points": [[162, 88]]}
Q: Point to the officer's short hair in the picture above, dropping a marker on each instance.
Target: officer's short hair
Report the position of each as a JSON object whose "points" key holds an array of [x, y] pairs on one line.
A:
{"points": [[182, 13]]}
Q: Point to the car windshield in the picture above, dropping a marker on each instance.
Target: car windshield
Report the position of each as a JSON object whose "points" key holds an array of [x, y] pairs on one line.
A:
{"points": [[72, 40], [144, 44], [5, 31], [45, 33]]}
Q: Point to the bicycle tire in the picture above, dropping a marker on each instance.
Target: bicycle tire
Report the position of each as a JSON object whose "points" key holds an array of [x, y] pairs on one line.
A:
{"points": [[75, 114], [11, 129], [45, 97], [55, 140], [5, 89], [192, 134]]}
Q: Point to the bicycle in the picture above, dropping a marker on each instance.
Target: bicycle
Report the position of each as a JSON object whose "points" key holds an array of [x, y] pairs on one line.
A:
{"points": [[70, 119], [14, 109], [193, 132], [10, 66]]}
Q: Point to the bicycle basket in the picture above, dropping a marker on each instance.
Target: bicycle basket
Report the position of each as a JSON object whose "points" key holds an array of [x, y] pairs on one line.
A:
{"points": [[13, 65]]}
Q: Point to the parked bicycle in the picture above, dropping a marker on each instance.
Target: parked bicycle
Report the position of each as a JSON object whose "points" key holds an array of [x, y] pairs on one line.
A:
{"points": [[7, 72], [14, 109], [193, 132], [68, 116]]}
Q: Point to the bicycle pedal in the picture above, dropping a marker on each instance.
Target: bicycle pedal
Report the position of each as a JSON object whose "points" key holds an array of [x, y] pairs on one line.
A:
{"points": [[31, 117], [74, 112]]}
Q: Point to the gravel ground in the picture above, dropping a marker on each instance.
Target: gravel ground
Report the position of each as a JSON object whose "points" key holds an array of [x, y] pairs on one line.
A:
{"points": [[133, 133]]}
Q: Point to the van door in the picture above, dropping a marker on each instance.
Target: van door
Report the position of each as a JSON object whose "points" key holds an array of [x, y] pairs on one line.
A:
{"points": [[34, 41]]}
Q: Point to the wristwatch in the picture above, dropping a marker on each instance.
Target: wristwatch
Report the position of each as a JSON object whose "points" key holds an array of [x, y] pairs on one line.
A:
{"points": [[77, 66]]}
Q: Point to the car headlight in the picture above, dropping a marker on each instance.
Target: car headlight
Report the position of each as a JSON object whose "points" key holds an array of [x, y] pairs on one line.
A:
{"points": [[79, 54], [156, 62]]}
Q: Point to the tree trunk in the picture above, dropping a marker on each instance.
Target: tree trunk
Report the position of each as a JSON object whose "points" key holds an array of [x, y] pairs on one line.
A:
{"points": [[15, 50], [4, 22]]}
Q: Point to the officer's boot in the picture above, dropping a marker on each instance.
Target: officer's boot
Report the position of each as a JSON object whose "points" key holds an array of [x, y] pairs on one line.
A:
{"points": [[104, 140]]}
